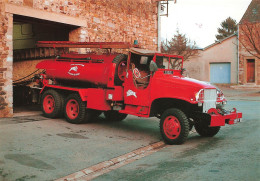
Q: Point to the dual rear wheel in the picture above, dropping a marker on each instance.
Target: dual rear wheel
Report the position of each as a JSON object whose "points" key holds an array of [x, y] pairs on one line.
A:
{"points": [[73, 108]]}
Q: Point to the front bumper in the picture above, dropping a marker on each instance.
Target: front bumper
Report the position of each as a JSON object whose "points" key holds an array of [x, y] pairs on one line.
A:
{"points": [[221, 118]]}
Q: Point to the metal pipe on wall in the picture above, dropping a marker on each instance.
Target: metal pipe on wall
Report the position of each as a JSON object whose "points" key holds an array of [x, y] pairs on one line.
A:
{"points": [[159, 26]]}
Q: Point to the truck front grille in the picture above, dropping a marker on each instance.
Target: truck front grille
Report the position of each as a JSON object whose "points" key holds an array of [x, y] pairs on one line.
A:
{"points": [[210, 98]]}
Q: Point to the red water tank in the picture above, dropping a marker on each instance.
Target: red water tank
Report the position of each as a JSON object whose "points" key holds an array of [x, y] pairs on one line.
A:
{"points": [[87, 68]]}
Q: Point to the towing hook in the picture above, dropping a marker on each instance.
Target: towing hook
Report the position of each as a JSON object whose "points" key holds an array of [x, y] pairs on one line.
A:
{"points": [[234, 110], [213, 111]]}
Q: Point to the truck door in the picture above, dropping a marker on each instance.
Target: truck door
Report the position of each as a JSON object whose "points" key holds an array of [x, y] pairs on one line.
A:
{"points": [[137, 86]]}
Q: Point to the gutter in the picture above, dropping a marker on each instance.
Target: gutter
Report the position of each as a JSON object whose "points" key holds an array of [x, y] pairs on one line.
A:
{"points": [[159, 27], [238, 54]]}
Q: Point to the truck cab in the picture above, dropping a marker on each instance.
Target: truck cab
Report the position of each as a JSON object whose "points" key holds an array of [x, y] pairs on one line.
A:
{"points": [[154, 86]]}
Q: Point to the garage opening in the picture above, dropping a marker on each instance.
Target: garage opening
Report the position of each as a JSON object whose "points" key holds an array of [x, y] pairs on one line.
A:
{"points": [[26, 32], [220, 73]]}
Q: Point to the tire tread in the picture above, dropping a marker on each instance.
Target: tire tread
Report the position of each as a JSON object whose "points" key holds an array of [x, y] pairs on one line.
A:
{"points": [[184, 126]]}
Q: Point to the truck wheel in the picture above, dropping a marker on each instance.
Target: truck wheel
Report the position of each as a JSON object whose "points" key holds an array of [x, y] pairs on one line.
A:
{"points": [[121, 65], [204, 130], [114, 116], [52, 104], [174, 126], [75, 110], [191, 123]]}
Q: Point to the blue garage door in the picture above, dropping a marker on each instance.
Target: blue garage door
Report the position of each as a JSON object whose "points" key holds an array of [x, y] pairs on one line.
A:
{"points": [[220, 73]]}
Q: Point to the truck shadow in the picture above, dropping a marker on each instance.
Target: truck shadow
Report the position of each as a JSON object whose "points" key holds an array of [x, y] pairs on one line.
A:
{"points": [[134, 125]]}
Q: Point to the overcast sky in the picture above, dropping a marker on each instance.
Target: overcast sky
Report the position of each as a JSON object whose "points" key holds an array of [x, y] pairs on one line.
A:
{"points": [[199, 19]]}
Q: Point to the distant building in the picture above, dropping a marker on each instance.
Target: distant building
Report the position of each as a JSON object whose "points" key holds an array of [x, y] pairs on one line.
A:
{"points": [[216, 63], [249, 64]]}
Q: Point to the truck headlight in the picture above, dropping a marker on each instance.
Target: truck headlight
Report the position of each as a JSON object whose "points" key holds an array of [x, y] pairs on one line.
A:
{"points": [[220, 95], [200, 95]]}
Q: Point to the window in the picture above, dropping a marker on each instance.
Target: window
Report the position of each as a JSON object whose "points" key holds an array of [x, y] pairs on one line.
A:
{"points": [[175, 63], [164, 63]]}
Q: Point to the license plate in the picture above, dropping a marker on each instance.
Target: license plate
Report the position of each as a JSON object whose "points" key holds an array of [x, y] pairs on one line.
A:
{"points": [[237, 120]]}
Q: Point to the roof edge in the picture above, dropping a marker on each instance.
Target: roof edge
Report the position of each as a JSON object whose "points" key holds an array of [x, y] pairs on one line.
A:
{"points": [[219, 41]]}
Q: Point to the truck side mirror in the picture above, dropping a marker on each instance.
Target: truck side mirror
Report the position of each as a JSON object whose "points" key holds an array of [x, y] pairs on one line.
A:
{"points": [[153, 67]]}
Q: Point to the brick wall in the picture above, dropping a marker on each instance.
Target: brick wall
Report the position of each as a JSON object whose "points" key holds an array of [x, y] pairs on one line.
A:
{"points": [[106, 20], [6, 62], [244, 55]]}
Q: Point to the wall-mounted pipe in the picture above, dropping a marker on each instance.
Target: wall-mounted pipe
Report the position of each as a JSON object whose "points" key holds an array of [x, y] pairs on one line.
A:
{"points": [[159, 26]]}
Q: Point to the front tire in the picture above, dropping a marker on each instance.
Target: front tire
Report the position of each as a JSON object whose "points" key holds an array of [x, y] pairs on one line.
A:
{"points": [[204, 130], [114, 116], [174, 126], [52, 104]]}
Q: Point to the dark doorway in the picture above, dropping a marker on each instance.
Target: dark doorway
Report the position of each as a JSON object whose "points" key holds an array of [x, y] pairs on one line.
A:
{"points": [[27, 32], [250, 70]]}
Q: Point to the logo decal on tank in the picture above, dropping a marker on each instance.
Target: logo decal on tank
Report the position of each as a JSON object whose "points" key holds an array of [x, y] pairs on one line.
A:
{"points": [[131, 93], [74, 69]]}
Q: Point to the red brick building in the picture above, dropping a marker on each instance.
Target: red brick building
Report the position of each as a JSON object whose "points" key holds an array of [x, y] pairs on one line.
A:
{"points": [[24, 22], [249, 45]]}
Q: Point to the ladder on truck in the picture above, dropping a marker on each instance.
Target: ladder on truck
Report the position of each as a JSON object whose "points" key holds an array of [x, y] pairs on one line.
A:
{"points": [[70, 44]]}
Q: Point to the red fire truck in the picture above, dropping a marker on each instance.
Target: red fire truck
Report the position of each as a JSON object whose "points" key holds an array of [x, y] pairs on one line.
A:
{"points": [[143, 83]]}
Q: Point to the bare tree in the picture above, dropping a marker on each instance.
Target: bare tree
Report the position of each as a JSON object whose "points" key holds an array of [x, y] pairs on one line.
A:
{"points": [[180, 45], [249, 37]]}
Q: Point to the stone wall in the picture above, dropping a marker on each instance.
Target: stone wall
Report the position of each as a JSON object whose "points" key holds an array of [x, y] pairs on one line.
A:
{"points": [[6, 62], [20, 67], [106, 20], [244, 55]]}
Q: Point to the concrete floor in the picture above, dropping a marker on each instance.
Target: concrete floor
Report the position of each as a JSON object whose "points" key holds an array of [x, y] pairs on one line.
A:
{"points": [[36, 148]]}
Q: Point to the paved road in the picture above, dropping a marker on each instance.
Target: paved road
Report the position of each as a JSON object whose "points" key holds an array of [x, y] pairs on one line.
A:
{"points": [[36, 148], [232, 155]]}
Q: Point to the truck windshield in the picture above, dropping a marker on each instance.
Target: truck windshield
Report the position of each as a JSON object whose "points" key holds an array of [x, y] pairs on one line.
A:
{"points": [[164, 62], [175, 63]]}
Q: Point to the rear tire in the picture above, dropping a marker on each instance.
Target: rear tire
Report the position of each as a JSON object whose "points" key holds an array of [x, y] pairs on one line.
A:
{"points": [[174, 126], [114, 116], [75, 110], [52, 104]]}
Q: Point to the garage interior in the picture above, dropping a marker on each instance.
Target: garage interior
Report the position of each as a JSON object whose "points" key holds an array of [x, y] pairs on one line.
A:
{"points": [[26, 33]]}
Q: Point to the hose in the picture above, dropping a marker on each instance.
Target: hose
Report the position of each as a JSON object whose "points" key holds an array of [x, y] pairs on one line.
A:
{"points": [[20, 82], [25, 76]]}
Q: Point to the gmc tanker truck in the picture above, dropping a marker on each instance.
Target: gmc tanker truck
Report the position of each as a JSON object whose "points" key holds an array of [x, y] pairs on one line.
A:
{"points": [[142, 83]]}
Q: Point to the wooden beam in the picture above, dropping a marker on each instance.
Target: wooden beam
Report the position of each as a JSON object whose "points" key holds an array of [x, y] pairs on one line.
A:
{"points": [[69, 44], [44, 15]]}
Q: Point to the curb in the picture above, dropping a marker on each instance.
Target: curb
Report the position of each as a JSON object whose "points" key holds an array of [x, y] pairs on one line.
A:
{"points": [[107, 166]]}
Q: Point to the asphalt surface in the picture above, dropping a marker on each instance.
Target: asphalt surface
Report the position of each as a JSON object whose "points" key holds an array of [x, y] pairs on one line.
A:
{"points": [[37, 148], [233, 154]]}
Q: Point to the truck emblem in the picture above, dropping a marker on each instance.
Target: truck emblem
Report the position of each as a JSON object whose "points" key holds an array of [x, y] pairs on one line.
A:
{"points": [[131, 93], [73, 70]]}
